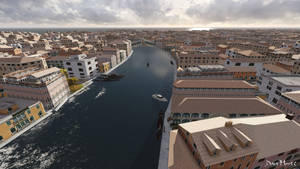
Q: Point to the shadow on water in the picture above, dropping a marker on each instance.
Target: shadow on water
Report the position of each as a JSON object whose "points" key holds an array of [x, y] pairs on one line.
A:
{"points": [[116, 130]]}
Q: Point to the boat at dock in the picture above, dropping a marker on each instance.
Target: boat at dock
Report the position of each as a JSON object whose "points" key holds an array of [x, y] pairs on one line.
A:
{"points": [[109, 77]]}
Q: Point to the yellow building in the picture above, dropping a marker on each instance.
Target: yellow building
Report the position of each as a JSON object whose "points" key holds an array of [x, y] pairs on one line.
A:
{"points": [[17, 115], [104, 67]]}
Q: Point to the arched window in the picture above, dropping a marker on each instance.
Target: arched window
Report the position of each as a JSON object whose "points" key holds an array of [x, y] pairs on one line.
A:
{"points": [[186, 115], [205, 115], [185, 120]]}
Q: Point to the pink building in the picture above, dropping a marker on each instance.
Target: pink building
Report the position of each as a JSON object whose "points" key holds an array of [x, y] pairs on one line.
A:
{"points": [[46, 85]]}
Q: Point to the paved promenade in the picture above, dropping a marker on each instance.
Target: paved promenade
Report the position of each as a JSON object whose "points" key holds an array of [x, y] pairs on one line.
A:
{"points": [[164, 147]]}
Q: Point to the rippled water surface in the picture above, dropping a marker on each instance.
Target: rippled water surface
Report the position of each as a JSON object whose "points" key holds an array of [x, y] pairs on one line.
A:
{"points": [[112, 130]]}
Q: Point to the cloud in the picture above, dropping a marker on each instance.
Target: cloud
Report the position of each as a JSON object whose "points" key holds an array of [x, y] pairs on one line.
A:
{"points": [[245, 11], [20, 13]]}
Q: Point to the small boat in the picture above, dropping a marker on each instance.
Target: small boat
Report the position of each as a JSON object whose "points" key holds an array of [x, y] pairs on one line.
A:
{"points": [[159, 97], [172, 63], [102, 92], [148, 64]]}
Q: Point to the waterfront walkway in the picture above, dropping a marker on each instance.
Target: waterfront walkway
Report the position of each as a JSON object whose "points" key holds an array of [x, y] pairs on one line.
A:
{"points": [[164, 147]]}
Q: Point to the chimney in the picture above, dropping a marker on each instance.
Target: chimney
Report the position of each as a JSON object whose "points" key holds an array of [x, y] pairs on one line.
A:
{"points": [[289, 116], [228, 124]]}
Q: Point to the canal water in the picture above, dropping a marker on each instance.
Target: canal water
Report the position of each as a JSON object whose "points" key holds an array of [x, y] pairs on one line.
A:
{"points": [[115, 129]]}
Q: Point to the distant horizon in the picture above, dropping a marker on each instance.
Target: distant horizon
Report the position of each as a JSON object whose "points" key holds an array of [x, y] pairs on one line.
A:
{"points": [[150, 27]]}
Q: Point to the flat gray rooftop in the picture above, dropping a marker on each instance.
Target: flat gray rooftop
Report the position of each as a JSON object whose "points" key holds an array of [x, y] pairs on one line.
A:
{"points": [[288, 80]]}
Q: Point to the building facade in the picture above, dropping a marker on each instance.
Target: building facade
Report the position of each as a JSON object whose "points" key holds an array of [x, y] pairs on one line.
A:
{"points": [[81, 66], [17, 114], [193, 100], [46, 85], [275, 85], [290, 104], [10, 63]]}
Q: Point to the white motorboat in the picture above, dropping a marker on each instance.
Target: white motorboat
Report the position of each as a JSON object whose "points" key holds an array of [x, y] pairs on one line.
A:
{"points": [[159, 97], [102, 92]]}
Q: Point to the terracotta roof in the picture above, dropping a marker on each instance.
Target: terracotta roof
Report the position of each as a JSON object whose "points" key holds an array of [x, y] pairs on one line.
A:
{"points": [[294, 95], [241, 69], [237, 84], [222, 106], [249, 53], [19, 59], [262, 131], [275, 69]]}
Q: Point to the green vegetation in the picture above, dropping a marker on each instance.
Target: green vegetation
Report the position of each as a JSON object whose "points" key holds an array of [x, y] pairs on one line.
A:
{"points": [[75, 87], [73, 82]]}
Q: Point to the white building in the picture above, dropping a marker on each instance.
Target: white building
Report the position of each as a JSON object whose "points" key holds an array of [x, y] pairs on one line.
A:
{"points": [[81, 66], [275, 85], [123, 55]]}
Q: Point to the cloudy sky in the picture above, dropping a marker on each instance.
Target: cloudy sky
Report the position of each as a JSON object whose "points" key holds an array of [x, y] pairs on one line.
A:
{"points": [[154, 13]]}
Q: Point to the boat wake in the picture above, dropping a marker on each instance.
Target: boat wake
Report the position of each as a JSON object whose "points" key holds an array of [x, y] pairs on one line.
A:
{"points": [[102, 92]]}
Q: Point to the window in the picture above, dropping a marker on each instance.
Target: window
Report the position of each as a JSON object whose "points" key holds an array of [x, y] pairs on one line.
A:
{"points": [[280, 154], [293, 151], [40, 113], [222, 163], [8, 123], [37, 106], [195, 145], [278, 93], [89, 63], [288, 158], [90, 68], [274, 100], [260, 160], [237, 64], [28, 111], [251, 64], [270, 83], [232, 115], [239, 166], [31, 118], [69, 69], [279, 88], [80, 70], [68, 63], [12, 130], [258, 167], [205, 115], [79, 64], [1, 138]]}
